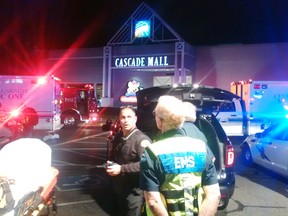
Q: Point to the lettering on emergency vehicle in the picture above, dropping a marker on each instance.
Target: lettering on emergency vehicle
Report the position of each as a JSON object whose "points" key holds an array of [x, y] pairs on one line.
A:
{"points": [[142, 61], [66, 99], [281, 96], [184, 162], [12, 93]]}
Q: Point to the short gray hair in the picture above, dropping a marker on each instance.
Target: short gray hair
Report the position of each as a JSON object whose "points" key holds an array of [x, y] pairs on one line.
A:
{"points": [[170, 110], [189, 111]]}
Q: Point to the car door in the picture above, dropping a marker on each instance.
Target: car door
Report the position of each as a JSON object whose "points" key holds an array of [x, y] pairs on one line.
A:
{"points": [[275, 149]]}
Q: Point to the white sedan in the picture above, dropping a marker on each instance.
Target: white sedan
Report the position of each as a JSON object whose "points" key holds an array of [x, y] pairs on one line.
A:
{"points": [[268, 149]]}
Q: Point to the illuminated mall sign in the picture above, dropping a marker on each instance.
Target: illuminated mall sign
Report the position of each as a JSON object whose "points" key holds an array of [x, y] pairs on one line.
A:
{"points": [[147, 61], [142, 28]]}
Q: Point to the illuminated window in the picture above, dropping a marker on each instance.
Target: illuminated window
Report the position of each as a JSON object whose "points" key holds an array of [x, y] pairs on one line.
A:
{"points": [[142, 28]]}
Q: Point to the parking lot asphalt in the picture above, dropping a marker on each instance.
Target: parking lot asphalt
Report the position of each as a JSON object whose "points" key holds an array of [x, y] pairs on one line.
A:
{"points": [[87, 198], [90, 202]]}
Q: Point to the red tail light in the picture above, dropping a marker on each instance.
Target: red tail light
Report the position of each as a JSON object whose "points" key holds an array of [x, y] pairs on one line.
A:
{"points": [[230, 157]]}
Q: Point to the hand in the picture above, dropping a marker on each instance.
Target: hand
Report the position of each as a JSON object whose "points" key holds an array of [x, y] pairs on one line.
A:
{"points": [[114, 169]]}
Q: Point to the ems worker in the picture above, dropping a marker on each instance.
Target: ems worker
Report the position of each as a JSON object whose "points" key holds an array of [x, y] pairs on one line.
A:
{"points": [[125, 171], [174, 170], [190, 128]]}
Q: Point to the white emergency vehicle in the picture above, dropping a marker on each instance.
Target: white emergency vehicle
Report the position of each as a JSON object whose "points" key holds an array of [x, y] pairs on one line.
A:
{"points": [[265, 101], [29, 102]]}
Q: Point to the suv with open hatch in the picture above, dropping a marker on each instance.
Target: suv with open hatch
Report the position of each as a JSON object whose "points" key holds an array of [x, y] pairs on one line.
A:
{"points": [[206, 121]]}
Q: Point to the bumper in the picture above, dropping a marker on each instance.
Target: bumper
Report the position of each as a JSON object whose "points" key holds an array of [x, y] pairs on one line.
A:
{"points": [[227, 187]]}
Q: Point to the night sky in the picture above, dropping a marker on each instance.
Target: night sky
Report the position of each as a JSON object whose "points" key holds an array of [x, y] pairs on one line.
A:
{"points": [[29, 25]]}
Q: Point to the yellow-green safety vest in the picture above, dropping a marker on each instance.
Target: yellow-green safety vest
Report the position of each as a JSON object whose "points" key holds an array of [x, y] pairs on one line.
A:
{"points": [[183, 160]]}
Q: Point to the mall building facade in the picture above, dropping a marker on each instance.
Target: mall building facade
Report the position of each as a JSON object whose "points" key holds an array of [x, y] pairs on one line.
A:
{"points": [[147, 52]]}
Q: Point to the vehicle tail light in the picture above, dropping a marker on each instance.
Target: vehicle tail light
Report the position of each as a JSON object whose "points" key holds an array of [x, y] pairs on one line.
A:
{"points": [[230, 156]]}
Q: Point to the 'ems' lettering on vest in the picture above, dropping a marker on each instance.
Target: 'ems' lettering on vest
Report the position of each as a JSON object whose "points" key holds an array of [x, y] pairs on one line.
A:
{"points": [[182, 162]]}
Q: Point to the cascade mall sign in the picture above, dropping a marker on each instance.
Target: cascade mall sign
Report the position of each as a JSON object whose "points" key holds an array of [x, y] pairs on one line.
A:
{"points": [[147, 61]]}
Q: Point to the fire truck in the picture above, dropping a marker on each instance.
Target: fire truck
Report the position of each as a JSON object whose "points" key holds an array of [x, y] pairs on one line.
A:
{"points": [[29, 102], [266, 102], [78, 103]]}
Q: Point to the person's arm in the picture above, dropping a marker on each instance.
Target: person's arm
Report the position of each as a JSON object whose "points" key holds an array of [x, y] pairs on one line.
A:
{"points": [[211, 200], [150, 181], [211, 188], [117, 169], [138, 150], [153, 200]]}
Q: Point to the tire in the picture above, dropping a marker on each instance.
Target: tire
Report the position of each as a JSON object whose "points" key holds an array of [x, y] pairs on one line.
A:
{"points": [[246, 156], [223, 204], [70, 121]]}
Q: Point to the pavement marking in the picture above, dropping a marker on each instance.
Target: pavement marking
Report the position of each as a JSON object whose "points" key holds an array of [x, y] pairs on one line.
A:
{"points": [[75, 203], [93, 142], [79, 153], [70, 164], [63, 162], [74, 183], [80, 139]]}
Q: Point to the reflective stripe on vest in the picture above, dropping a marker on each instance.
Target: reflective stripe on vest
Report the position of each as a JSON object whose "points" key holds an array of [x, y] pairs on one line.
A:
{"points": [[183, 160]]}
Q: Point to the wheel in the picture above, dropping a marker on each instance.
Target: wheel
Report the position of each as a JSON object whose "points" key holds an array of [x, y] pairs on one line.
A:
{"points": [[223, 203], [247, 156], [70, 121]]}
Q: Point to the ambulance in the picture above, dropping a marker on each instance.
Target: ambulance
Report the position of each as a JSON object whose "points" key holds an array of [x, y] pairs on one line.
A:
{"points": [[29, 102], [266, 102]]}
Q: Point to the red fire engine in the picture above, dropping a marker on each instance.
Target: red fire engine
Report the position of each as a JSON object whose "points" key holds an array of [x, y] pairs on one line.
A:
{"points": [[78, 103]]}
